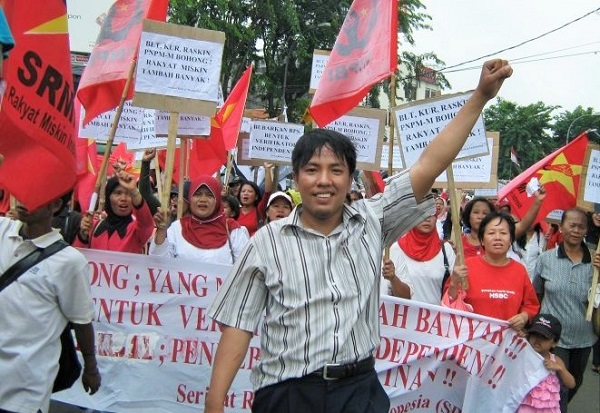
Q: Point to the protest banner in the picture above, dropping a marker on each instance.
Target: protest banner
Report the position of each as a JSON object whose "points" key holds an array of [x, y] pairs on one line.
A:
{"points": [[188, 125], [417, 123], [178, 66], [589, 182], [319, 61], [365, 128], [478, 172], [155, 346], [243, 151], [272, 141]]}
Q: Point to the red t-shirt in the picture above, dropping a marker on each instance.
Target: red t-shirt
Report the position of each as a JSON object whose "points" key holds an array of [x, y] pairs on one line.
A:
{"points": [[500, 292], [251, 219], [469, 249]]}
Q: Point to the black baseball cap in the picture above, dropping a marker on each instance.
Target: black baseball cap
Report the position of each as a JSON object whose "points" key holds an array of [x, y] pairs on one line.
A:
{"points": [[545, 325]]}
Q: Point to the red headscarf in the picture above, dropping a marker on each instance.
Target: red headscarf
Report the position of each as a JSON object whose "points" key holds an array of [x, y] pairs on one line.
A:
{"points": [[420, 246], [210, 232]]}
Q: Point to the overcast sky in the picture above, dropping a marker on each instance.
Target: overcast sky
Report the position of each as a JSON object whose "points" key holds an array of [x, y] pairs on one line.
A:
{"points": [[467, 29]]}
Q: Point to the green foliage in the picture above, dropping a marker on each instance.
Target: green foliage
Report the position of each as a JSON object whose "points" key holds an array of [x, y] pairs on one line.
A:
{"points": [[279, 37], [569, 125]]}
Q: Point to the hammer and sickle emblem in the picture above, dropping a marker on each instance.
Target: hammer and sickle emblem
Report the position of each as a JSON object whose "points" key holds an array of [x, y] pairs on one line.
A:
{"points": [[352, 30], [116, 35]]}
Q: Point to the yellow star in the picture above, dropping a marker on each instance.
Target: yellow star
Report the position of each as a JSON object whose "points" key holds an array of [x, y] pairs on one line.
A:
{"points": [[561, 171]]}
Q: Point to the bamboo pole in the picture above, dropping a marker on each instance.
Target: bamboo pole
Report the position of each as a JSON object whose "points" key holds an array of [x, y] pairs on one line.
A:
{"points": [[227, 171], [182, 161], [111, 136], [159, 183], [392, 123], [173, 125], [455, 214], [590, 307]]}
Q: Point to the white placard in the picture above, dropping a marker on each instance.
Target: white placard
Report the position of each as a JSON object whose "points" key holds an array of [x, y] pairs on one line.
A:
{"points": [[129, 129], [417, 125], [473, 170], [363, 132], [176, 66], [246, 125], [397, 162], [319, 61], [274, 141], [591, 190], [486, 192], [188, 125]]}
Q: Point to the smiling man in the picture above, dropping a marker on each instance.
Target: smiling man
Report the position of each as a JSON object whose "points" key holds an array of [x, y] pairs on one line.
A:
{"points": [[317, 273]]}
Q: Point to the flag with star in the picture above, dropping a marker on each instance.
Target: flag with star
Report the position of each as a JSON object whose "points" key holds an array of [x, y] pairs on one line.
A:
{"points": [[228, 120], [104, 77], [365, 52], [37, 119], [558, 172]]}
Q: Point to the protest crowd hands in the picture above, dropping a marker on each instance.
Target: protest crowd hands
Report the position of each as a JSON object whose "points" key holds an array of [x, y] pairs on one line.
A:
{"points": [[459, 275], [388, 270], [149, 154], [91, 379], [518, 323], [160, 221], [493, 74]]}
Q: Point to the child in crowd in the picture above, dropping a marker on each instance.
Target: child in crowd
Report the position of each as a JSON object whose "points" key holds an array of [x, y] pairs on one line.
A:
{"points": [[543, 334]]}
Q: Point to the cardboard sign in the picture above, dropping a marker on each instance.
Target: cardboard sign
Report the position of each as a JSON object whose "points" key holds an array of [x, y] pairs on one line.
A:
{"points": [[319, 61], [479, 172], [178, 67], [365, 128], [397, 164], [274, 141], [417, 123], [188, 126], [589, 182]]}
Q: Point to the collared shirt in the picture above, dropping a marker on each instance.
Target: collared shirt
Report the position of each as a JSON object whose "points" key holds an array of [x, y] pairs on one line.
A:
{"points": [[34, 311], [565, 286], [321, 293]]}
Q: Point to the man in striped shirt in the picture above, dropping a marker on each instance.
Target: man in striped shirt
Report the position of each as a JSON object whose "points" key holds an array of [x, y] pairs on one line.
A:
{"points": [[317, 274]]}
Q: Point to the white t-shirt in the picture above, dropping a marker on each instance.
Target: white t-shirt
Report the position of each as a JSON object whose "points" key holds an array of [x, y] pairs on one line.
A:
{"points": [[423, 277], [34, 311], [177, 246]]}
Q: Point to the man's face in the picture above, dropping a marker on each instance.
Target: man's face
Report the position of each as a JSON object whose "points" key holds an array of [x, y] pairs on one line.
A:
{"points": [[40, 215], [323, 184]]}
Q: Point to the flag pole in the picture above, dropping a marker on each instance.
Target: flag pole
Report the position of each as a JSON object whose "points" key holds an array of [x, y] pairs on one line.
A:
{"points": [[455, 214], [157, 175], [182, 160], [173, 125], [228, 171], [111, 136], [590, 307], [392, 124]]}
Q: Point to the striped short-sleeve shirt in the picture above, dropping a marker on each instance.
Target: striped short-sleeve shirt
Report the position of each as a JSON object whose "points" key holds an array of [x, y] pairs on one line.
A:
{"points": [[565, 286], [319, 294]]}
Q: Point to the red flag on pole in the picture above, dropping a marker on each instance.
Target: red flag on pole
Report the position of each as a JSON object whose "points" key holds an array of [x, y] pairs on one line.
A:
{"points": [[228, 120], [513, 156], [37, 119], [559, 172], [104, 77], [365, 52], [87, 170]]}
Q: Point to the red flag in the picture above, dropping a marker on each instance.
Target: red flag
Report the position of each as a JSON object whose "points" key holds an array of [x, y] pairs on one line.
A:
{"points": [[228, 120], [37, 119], [513, 156], [104, 77], [559, 172], [206, 156], [87, 170], [365, 52]]}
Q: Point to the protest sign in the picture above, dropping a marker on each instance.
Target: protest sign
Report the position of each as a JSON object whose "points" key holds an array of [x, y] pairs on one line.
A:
{"points": [[365, 128], [478, 172], [129, 129], [155, 346], [178, 67], [398, 164], [273, 141], [319, 61], [243, 151], [589, 182], [188, 126], [417, 123]]}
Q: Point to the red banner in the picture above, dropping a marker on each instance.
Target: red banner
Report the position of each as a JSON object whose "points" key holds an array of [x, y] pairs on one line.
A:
{"points": [[37, 119], [104, 77], [228, 120], [559, 172], [365, 52]]}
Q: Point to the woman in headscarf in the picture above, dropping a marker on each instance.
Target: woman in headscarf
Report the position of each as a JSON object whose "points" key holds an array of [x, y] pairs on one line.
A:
{"points": [[422, 262], [205, 234], [128, 223]]}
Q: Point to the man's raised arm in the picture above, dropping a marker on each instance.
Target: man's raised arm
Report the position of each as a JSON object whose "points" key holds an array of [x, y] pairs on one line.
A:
{"points": [[442, 150]]}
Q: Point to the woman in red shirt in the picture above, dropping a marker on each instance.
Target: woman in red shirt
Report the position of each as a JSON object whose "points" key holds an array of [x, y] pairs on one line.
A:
{"points": [[499, 287], [253, 204]]}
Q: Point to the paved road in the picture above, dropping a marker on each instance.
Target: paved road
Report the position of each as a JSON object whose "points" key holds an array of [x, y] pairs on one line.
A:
{"points": [[587, 399]]}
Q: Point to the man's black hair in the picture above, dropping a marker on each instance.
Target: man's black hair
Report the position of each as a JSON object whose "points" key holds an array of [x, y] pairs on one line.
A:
{"points": [[313, 142]]}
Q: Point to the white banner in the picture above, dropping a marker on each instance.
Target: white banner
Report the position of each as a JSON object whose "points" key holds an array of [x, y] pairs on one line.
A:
{"points": [[474, 170], [591, 189], [418, 123], [398, 164], [363, 132], [155, 346], [129, 129], [319, 60]]}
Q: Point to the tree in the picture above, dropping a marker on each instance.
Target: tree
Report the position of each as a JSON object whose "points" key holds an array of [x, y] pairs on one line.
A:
{"points": [[525, 128], [568, 125]]}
